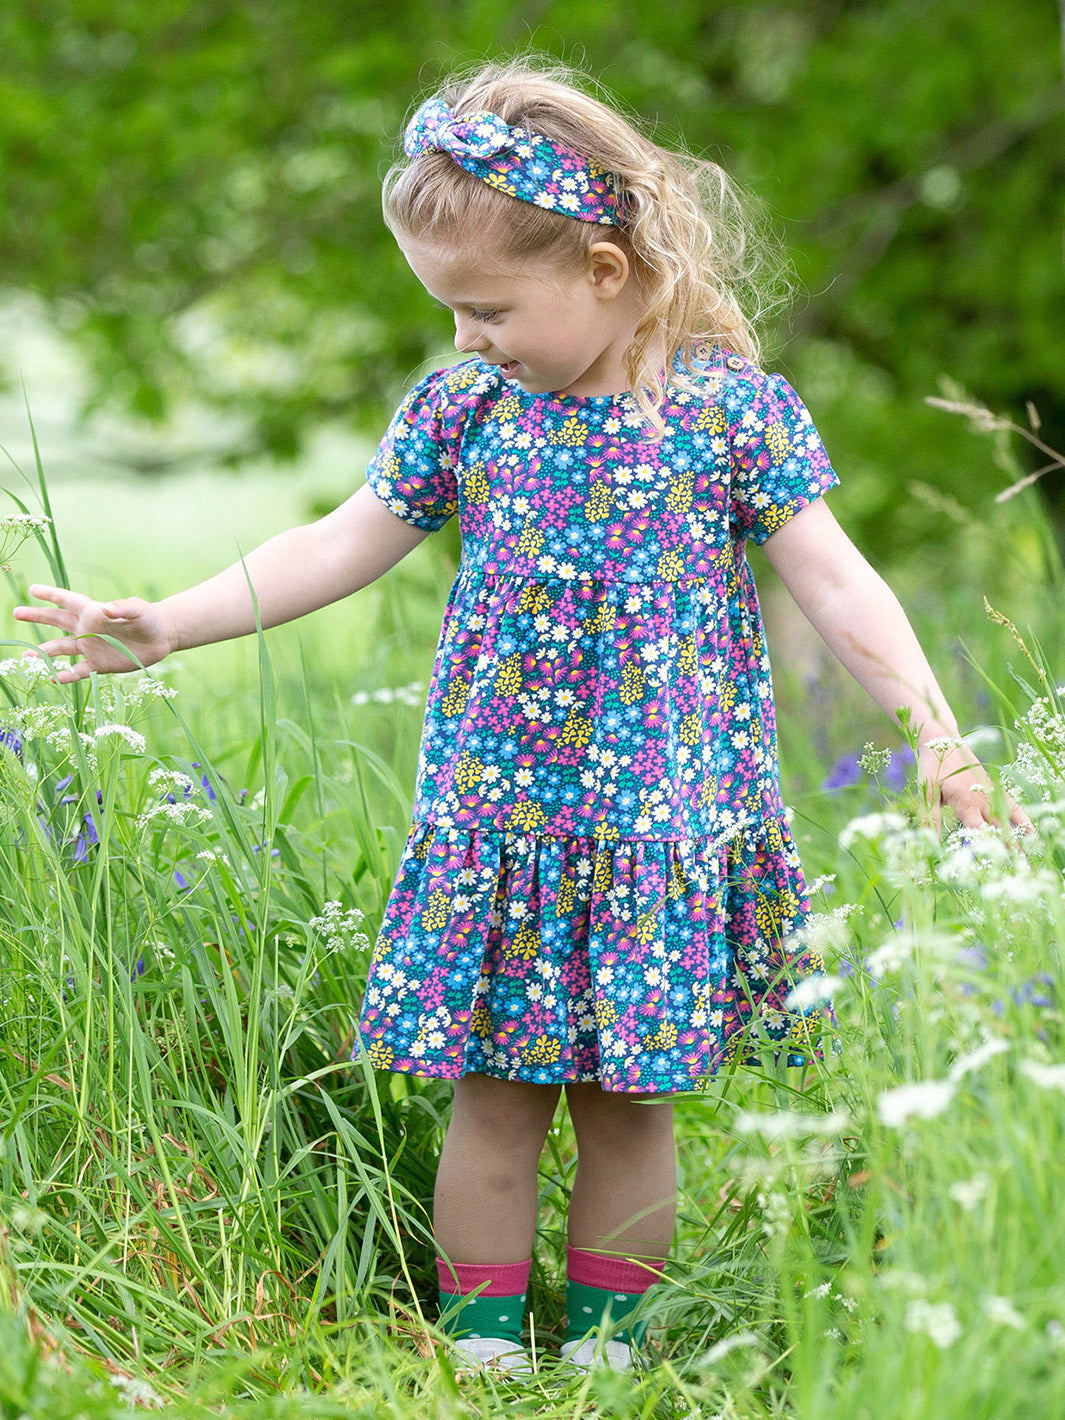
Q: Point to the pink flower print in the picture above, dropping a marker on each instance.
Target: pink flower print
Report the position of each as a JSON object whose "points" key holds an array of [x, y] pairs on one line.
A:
{"points": [[470, 809], [654, 714], [648, 764], [542, 740]]}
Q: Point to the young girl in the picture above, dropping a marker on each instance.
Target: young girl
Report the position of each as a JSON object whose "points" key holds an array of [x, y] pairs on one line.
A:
{"points": [[600, 885]]}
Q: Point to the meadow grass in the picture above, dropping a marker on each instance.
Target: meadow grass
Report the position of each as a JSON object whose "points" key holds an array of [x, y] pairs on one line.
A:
{"points": [[206, 1206]]}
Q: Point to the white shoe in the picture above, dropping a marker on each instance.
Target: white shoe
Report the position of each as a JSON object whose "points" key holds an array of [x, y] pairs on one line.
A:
{"points": [[495, 1352], [594, 1351]]}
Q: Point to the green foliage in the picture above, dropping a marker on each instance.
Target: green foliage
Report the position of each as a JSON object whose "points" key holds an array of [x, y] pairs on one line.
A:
{"points": [[192, 191], [205, 1204]]}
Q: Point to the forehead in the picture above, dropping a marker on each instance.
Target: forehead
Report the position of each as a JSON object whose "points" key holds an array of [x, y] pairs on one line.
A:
{"points": [[462, 274]]}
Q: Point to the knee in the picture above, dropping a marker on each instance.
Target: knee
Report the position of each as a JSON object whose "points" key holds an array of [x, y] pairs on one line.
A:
{"points": [[622, 1123], [508, 1123]]}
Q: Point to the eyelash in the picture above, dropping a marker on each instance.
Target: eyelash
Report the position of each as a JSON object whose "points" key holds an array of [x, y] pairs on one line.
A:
{"points": [[484, 316]]}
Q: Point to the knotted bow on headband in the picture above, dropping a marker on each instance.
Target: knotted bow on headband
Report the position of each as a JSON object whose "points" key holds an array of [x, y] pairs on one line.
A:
{"points": [[524, 165]]}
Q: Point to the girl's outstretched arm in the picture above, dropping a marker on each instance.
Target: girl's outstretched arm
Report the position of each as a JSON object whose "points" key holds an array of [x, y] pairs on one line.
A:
{"points": [[293, 573], [861, 621]]}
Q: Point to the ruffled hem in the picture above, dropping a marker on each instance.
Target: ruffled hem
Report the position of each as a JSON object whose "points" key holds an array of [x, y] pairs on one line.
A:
{"points": [[647, 965]]}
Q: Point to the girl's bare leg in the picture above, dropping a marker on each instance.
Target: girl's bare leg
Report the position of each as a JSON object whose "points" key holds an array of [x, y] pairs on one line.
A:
{"points": [[486, 1183], [624, 1198]]}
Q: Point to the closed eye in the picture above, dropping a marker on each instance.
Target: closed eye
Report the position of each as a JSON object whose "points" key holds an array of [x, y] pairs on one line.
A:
{"points": [[485, 316]]}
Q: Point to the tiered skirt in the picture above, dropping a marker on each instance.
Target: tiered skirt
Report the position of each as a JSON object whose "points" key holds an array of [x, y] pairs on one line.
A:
{"points": [[646, 965]]}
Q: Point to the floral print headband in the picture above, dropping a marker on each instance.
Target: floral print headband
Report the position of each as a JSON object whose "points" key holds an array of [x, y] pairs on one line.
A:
{"points": [[524, 165]]}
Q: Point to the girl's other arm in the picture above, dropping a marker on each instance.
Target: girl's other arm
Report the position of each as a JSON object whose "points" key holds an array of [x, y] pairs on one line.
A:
{"points": [[295, 572], [861, 621]]}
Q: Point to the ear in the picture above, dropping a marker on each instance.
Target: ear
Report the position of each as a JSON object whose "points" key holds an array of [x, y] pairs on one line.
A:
{"points": [[608, 269]]}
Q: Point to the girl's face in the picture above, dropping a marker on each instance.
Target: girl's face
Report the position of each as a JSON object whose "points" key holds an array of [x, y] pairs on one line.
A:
{"points": [[550, 329]]}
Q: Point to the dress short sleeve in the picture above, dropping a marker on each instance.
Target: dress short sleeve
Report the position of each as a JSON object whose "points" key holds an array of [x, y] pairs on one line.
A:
{"points": [[414, 471], [779, 463]]}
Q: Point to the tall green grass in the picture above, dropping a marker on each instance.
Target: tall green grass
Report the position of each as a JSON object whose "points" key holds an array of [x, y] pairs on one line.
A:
{"points": [[207, 1204]]}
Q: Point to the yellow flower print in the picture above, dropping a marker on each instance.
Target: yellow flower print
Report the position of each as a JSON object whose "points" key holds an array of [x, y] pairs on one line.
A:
{"points": [[712, 419], [707, 791], [774, 518], [767, 916], [686, 658], [604, 618], [525, 943], [381, 1055], [670, 564], [774, 837], [678, 882], [646, 926], [421, 850], [633, 684], [727, 695], [481, 1021], [691, 729], [460, 377], [572, 433], [435, 914], [534, 597], [577, 730], [679, 497], [603, 864], [381, 952], [475, 484], [530, 542], [605, 1014], [526, 817], [778, 441], [599, 504], [545, 1050], [508, 681], [454, 702], [505, 409], [500, 181], [664, 1038], [468, 772], [567, 897]]}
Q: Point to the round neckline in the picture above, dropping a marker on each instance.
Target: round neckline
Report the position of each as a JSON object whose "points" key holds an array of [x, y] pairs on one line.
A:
{"points": [[555, 397]]}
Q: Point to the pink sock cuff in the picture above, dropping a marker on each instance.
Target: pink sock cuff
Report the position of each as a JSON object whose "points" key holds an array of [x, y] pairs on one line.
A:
{"points": [[503, 1279], [612, 1274]]}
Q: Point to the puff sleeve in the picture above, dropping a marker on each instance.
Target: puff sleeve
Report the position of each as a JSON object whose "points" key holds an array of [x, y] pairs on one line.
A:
{"points": [[778, 462], [415, 469]]}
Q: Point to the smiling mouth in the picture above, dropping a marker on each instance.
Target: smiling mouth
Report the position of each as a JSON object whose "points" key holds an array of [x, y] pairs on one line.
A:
{"points": [[507, 367]]}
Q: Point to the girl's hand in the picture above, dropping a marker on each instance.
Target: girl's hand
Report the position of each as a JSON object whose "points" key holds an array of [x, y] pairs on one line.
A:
{"points": [[951, 775], [141, 626]]}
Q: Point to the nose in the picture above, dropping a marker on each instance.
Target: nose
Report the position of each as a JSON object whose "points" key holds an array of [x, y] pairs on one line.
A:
{"points": [[468, 336]]}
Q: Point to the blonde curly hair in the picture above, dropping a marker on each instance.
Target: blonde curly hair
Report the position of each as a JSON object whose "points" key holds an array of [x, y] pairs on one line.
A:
{"points": [[687, 231]]}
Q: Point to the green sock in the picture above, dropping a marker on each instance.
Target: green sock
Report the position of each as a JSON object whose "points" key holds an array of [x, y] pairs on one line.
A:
{"points": [[482, 1316], [587, 1306]]}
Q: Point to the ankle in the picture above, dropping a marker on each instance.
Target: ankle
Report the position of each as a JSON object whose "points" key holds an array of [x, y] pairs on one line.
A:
{"points": [[604, 1292], [479, 1300]]}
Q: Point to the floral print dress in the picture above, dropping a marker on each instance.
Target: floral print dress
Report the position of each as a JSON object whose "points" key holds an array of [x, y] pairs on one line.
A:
{"points": [[599, 883]]}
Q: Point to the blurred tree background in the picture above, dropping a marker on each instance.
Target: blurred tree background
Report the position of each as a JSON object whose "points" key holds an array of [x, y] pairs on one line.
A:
{"points": [[190, 190]]}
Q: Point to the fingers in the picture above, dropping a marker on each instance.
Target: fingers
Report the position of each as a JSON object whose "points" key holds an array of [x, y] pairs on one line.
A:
{"points": [[1020, 820], [66, 608]]}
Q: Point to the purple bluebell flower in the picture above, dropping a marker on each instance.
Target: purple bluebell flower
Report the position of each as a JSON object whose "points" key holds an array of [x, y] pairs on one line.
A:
{"points": [[845, 772], [896, 776], [10, 739], [206, 783], [86, 839]]}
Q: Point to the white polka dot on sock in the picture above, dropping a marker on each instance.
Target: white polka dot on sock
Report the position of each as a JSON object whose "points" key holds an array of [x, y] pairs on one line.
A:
{"points": [[587, 1309], [503, 1317], [620, 1297]]}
